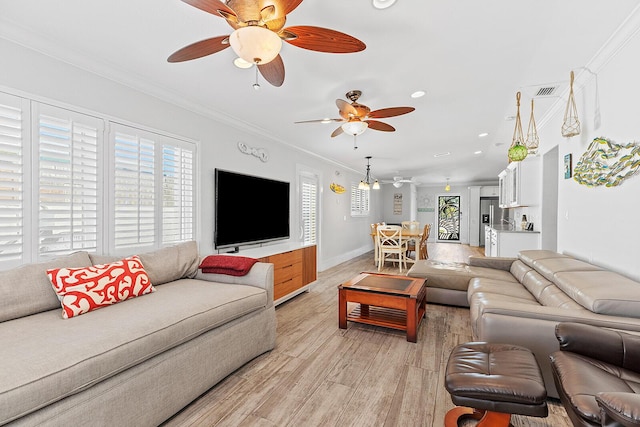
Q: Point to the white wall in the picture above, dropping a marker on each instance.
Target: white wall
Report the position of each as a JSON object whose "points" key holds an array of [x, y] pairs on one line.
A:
{"points": [[602, 224], [27, 72]]}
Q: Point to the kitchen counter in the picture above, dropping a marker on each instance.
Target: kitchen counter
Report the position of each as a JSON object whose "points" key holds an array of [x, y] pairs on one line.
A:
{"points": [[505, 228], [504, 241]]}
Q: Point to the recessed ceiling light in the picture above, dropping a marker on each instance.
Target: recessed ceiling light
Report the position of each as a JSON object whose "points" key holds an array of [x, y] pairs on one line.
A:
{"points": [[478, 152], [383, 4], [241, 63], [418, 94], [442, 154], [483, 134]]}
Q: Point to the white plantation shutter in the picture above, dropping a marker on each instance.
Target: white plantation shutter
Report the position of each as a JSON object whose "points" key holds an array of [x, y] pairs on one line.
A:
{"points": [[134, 188], [68, 187], [177, 194], [359, 201], [12, 158], [309, 201]]}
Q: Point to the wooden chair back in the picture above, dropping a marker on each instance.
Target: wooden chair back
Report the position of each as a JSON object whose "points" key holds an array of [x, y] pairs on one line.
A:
{"points": [[423, 253]]}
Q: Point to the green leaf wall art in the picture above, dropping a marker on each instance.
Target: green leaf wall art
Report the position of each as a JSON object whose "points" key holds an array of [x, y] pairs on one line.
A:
{"points": [[607, 163]]}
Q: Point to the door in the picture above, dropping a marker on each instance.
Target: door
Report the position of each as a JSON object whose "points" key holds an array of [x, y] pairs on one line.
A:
{"points": [[449, 218]]}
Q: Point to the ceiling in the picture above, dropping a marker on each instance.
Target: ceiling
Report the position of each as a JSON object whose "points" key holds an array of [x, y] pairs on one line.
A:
{"points": [[469, 57]]}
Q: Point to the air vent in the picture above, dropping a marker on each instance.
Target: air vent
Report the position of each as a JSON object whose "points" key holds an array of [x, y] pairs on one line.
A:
{"points": [[546, 91]]}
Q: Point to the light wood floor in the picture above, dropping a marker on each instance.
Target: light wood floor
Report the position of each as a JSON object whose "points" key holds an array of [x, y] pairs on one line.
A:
{"points": [[319, 375]]}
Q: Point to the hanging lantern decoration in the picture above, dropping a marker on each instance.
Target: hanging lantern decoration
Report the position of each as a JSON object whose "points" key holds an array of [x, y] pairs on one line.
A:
{"points": [[533, 141], [571, 124], [517, 151]]}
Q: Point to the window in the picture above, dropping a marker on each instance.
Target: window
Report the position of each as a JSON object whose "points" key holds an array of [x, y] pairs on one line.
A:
{"points": [[153, 189], [309, 208], [13, 127], [66, 184], [359, 201]]}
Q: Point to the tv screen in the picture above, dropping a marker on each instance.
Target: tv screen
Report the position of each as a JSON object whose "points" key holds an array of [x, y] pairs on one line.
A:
{"points": [[249, 209]]}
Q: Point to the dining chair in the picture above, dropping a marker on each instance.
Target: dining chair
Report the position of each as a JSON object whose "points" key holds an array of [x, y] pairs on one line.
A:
{"points": [[422, 246], [374, 237], [390, 243], [411, 226]]}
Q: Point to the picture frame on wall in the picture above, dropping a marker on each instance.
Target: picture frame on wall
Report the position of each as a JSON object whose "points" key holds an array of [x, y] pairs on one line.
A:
{"points": [[567, 166]]}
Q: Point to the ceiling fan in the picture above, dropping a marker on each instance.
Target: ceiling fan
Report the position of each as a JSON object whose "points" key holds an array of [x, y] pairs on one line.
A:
{"points": [[258, 34], [358, 117], [398, 181]]}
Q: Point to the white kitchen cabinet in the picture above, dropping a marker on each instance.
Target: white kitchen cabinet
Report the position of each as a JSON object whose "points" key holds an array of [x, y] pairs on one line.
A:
{"points": [[519, 184]]}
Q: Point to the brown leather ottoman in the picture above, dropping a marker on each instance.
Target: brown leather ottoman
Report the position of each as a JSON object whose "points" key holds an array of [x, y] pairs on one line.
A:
{"points": [[489, 382]]}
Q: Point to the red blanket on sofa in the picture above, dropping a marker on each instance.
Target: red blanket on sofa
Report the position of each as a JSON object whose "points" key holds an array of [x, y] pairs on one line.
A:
{"points": [[227, 264]]}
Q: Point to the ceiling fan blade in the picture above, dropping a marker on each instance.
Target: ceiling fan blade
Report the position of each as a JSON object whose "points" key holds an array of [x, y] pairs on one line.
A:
{"points": [[390, 112], [211, 6], [337, 132], [288, 5], [376, 125], [319, 121], [346, 110], [324, 40], [200, 49], [273, 71]]}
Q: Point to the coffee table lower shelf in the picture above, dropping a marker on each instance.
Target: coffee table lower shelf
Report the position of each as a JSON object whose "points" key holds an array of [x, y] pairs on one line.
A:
{"points": [[381, 316]]}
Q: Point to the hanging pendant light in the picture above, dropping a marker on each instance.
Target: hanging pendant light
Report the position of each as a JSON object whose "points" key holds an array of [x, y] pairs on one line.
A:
{"points": [[533, 141], [517, 151], [571, 124], [366, 183]]}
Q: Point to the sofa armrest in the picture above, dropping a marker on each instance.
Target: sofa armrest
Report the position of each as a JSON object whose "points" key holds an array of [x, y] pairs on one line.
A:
{"points": [[618, 408], [499, 263], [260, 276], [606, 345]]}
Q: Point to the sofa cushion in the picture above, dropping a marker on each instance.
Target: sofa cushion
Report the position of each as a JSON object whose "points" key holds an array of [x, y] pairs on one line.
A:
{"points": [[549, 267], [602, 292], [500, 287], [452, 275], [530, 256], [85, 289], [62, 357], [26, 290], [172, 263], [519, 269]]}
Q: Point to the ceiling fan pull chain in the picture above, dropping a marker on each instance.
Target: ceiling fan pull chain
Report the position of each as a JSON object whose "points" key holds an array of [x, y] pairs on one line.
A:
{"points": [[256, 85], [355, 145]]}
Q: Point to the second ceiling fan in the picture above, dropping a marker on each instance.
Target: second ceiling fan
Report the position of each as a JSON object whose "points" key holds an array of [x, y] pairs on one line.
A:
{"points": [[259, 29], [357, 117]]}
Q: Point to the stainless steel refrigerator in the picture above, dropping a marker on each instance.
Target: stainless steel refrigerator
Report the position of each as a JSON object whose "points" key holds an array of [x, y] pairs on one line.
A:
{"points": [[490, 214]]}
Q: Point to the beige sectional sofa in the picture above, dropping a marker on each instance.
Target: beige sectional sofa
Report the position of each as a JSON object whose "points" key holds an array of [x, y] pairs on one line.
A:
{"points": [[521, 300], [134, 363]]}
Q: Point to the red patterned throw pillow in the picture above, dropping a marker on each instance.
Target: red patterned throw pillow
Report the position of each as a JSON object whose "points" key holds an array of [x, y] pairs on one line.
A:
{"points": [[81, 290]]}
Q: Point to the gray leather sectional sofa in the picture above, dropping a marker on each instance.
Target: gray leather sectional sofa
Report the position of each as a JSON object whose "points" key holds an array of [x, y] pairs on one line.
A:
{"points": [[521, 300], [135, 363]]}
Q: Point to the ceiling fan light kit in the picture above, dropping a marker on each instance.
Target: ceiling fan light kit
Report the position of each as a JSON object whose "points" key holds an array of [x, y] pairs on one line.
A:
{"points": [[255, 44], [258, 35], [355, 127]]}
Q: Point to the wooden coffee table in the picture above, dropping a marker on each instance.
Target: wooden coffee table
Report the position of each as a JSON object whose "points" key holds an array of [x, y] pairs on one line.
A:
{"points": [[397, 302]]}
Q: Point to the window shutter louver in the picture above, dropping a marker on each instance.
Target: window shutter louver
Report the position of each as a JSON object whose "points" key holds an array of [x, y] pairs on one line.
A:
{"points": [[359, 201], [67, 182], [134, 187], [309, 209], [11, 180], [177, 196]]}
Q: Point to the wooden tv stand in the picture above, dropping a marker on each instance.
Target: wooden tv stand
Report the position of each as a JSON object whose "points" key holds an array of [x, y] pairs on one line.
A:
{"points": [[294, 268]]}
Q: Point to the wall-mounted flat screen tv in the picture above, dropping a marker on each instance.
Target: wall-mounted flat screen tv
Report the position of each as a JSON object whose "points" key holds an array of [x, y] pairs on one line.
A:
{"points": [[249, 209]]}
